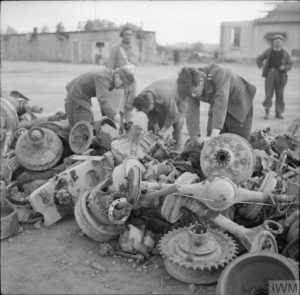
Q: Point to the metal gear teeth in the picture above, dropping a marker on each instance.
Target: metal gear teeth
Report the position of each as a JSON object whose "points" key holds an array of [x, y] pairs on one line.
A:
{"points": [[165, 252]]}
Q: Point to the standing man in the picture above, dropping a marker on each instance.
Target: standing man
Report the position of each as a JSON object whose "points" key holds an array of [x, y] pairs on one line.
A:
{"points": [[277, 64], [95, 84], [125, 54], [164, 108], [230, 97]]}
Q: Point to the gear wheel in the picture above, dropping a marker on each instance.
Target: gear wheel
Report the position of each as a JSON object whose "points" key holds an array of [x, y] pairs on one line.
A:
{"points": [[196, 255], [228, 155]]}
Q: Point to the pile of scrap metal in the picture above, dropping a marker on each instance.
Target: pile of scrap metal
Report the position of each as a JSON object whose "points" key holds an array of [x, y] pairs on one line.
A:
{"points": [[208, 211]]}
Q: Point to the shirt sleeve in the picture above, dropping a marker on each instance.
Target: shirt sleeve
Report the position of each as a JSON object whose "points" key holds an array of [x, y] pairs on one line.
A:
{"points": [[111, 62], [221, 81], [172, 112], [289, 63], [103, 96], [261, 58], [193, 116]]}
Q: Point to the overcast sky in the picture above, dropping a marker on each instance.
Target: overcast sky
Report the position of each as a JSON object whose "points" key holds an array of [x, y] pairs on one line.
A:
{"points": [[173, 21]]}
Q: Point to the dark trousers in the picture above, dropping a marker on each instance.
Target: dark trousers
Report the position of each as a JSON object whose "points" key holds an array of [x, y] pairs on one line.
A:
{"points": [[232, 125], [76, 112], [275, 82]]}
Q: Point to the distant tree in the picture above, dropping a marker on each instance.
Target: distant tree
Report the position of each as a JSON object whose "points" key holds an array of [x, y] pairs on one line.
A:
{"points": [[60, 27], [97, 24], [197, 47], [133, 26], [44, 29], [10, 30]]}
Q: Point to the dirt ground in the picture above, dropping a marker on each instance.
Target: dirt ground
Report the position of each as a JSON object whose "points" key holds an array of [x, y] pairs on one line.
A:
{"points": [[57, 260]]}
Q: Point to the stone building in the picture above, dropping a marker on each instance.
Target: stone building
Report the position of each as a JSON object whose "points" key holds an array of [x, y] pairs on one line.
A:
{"points": [[73, 47], [248, 39]]}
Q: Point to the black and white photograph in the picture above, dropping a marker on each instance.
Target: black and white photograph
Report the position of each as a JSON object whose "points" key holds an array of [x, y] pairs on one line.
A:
{"points": [[150, 147]]}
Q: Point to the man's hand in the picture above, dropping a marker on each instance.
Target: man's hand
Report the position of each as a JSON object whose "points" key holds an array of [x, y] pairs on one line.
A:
{"points": [[117, 119], [215, 132], [282, 68], [161, 132]]}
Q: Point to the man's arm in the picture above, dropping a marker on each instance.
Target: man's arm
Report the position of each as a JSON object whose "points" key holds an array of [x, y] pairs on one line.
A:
{"points": [[289, 63], [103, 96], [172, 113], [261, 58], [221, 81], [193, 116], [111, 62]]}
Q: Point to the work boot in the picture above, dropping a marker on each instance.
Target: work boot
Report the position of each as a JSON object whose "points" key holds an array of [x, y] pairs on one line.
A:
{"points": [[279, 116], [267, 112]]}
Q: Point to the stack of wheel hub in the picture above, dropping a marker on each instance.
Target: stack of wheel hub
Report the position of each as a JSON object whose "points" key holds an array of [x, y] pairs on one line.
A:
{"points": [[196, 255], [39, 149], [228, 155]]}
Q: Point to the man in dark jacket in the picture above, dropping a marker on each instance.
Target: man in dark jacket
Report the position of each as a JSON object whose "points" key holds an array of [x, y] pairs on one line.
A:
{"points": [[277, 64], [163, 107], [95, 84], [229, 95]]}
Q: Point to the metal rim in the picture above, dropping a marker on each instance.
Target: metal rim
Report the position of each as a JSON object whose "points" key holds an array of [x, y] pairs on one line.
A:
{"points": [[228, 155], [78, 147], [250, 273]]}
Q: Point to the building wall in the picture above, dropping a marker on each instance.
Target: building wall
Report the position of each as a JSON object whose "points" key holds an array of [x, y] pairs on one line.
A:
{"points": [[290, 29], [77, 47], [227, 49]]}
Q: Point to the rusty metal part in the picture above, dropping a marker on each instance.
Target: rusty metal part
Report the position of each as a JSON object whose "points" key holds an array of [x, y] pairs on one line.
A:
{"points": [[228, 155], [108, 249], [58, 116], [294, 128], [39, 149], [291, 250], [293, 231], [268, 184], [291, 219], [81, 137], [121, 172], [61, 128], [172, 206], [260, 238], [77, 179], [9, 116], [98, 202], [6, 141], [140, 144], [28, 176], [120, 204], [90, 226], [21, 205], [106, 132], [8, 167], [253, 273], [9, 221], [155, 170], [288, 143], [197, 255], [261, 139]]}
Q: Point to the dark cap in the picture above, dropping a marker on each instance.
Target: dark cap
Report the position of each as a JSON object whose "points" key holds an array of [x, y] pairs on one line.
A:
{"points": [[278, 36], [125, 28]]}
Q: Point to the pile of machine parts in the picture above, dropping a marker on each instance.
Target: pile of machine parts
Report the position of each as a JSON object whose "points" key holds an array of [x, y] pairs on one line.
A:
{"points": [[210, 211]]}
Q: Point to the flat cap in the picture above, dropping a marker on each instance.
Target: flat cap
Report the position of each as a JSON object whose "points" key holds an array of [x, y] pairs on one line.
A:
{"points": [[125, 28], [277, 36]]}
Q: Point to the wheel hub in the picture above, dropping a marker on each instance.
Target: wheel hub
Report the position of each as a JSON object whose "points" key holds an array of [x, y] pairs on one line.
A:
{"points": [[195, 254]]}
